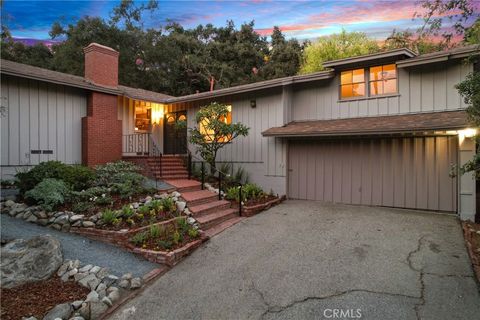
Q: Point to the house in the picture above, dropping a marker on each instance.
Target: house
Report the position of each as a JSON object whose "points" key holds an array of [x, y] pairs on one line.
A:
{"points": [[383, 129]]}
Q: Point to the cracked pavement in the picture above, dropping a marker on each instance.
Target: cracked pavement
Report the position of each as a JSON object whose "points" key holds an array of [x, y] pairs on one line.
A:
{"points": [[303, 259]]}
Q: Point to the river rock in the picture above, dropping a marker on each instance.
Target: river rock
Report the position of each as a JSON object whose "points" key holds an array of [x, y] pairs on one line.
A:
{"points": [[61, 311], [29, 260]]}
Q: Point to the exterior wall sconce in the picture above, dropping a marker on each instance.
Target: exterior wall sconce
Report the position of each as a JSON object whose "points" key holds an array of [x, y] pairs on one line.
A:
{"points": [[253, 103]]}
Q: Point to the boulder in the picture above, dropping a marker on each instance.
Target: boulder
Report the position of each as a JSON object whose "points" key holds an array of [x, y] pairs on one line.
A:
{"points": [[114, 295], [9, 203], [61, 311], [135, 283], [76, 217], [181, 206], [88, 224], [97, 309], [90, 281], [29, 260]]}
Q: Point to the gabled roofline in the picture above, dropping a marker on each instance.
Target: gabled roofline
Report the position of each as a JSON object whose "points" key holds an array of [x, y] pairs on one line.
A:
{"points": [[254, 86], [364, 58], [457, 53]]}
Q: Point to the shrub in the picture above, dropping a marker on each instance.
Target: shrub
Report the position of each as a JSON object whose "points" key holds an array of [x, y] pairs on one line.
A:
{"points": [[79, 177], [119, 172], [144, 210], [177, 237], [49, 193], [109, 216], [193, 233], [182, 224], [127, 211], [165, 244], [155, 231], [168, 204], [82, 206], [90, 194], [233, 194], [139, 238], [103, 200], [252, 191], [156, 205]]}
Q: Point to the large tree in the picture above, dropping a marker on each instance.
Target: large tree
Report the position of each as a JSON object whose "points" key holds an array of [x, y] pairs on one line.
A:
{"points": [[336, 46]]}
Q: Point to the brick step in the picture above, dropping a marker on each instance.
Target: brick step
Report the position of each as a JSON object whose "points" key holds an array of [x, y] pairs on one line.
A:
{"points": [[209, 207], [212, 219], [170, 172], [167, 166], [196, 198], [172, 177], [214, 230], [184, 185]]}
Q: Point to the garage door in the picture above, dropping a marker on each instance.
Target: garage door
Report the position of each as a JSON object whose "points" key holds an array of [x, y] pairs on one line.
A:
{"points": [[392, 172]]}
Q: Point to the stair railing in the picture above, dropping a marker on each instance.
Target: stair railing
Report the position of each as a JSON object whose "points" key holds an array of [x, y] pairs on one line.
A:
{"points": [[154, 151], [221, 175]]}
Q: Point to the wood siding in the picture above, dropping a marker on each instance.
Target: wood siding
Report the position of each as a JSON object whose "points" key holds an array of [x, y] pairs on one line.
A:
{"points": [[40, 116], [420, 89], [393, 172]]}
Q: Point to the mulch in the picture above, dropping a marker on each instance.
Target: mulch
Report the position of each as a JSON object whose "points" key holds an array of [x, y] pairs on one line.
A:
{"points": [[37, 298]]}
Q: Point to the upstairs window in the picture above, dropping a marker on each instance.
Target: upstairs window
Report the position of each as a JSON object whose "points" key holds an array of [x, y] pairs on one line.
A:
{"points": [[383, 80], [209, 134], [352, 83]]}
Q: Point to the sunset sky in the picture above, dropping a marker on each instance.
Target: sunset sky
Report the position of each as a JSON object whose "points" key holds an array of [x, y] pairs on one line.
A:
{"points": [[301, 19]]}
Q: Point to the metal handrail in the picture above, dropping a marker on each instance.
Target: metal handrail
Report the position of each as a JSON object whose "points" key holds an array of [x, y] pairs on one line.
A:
{"points": [[220, 174], [154, 151]]}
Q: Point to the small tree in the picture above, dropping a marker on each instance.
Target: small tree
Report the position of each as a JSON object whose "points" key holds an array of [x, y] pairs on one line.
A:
{"points": [[213, 131]]}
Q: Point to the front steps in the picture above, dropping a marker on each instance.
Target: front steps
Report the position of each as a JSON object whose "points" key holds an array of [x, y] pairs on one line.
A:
{"points": [[162, 168], [212, 214]]}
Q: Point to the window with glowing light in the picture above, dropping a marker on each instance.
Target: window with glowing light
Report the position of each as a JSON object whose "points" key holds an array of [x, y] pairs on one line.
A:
{"points": [[352, 83], [209, 133], [143, 116], [383, 80]]}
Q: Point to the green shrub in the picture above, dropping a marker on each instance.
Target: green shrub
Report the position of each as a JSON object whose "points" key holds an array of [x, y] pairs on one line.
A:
{"points": [[252, 191], [127, 211], [82, 206], [155, 231], [109, 216], [182, 224], [104, 200], [139, 238], [233, 194], [79, 177], [119, 172], [144, 210], [49, 193], [156, 205], [177, 237], [193, 233], [89, 194], [168, 204], [165, 244]]}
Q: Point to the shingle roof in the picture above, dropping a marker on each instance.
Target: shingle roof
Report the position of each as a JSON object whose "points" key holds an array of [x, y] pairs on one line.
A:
{"points": [[142, 94], [372, 125]]}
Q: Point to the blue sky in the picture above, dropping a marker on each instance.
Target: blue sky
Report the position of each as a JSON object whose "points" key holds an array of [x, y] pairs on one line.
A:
{"points": [[302, 19]]}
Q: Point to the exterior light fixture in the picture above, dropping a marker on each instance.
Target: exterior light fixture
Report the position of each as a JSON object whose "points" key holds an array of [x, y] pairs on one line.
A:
{"points": [[253, 103], [468, 133]]}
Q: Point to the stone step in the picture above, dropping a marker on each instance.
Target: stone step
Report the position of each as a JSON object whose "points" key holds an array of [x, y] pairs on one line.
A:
{"points": [[184, 185], [195, 198], [212, 219], [209, 207]]}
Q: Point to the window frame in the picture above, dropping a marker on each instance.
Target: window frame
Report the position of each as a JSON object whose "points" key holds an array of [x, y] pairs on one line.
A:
{"points": [[365, 82], [224, 139], [368, 94]]}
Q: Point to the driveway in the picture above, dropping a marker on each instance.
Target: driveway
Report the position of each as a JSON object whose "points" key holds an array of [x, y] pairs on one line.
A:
{"points": [[310, 260]]}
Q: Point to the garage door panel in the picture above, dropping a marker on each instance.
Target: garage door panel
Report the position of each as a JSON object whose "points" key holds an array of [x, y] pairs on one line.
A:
{"points": [[395, 172]]}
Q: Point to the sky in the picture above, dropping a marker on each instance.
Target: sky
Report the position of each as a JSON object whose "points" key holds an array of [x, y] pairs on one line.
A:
{"points": [[302, 19]]}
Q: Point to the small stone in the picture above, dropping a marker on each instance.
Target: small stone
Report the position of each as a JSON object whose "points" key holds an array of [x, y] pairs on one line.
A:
{"points": [[94, 269], [9, 203], [42, 222], [124, 284], [32, 218], [88, 224], [62, 219], [127, 276], [114, 296], [41, 215], [63, 268], [111, 289], [85, 268], [62, 311], [135, 283], [77, 304], [108, 281], [102, 273], [92, 296], [90, 281], [187, 211], [84, 310], [135, 205], [175, 199], [97, 309], [73, 272], [107, 301], [176, 194], [65, 276], [58, 214], [75, 264], [76, 217], [101, 287], [163, 196], [157, 196], [77, 224], [30, 318], [190, 220], [79, 276], [56, 227], [77, 318], [65, 227], [181, 206]]}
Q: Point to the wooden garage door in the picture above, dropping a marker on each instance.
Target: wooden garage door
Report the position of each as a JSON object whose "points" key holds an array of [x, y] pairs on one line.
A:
{"points": [[393, 172]]}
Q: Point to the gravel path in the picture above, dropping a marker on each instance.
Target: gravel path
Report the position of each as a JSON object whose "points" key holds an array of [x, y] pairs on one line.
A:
{"points": [[76, 247]]}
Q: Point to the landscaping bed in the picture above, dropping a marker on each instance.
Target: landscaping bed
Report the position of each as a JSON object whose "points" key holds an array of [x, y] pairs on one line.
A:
{"points": [[37, 298], [254, 206], [471, 233]]}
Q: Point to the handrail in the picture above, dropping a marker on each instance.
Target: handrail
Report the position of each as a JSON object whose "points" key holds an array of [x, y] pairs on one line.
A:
{"points": [[154, 151], [220, 174]]}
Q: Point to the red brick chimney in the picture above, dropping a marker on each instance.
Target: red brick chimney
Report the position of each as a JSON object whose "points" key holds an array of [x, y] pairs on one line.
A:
{"points": [[101, 65], [101, 129]]}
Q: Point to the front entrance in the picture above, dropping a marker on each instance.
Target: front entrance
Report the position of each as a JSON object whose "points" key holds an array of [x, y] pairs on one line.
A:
{"points": [[175, 134]]}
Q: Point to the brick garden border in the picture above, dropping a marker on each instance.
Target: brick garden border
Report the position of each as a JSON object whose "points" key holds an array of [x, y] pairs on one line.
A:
{"points": [[468, 242], [248, 211]]}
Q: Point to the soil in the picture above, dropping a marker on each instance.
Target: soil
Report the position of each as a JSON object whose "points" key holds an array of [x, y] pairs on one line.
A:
{"points": [[37, 298]]}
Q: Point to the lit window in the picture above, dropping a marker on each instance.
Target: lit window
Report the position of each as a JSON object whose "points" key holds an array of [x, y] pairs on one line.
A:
{"points": [[143, 115], [209, 133], [383, 80], [352, 83]]}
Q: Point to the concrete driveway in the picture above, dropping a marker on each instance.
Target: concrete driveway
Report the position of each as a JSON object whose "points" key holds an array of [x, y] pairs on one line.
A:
{"points": [[310, 260]]}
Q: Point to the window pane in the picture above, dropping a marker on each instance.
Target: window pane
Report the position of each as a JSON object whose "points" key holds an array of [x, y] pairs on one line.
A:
{"points": [[347, 91], [346, 77], [390, 86], [389, 71], [358, 75], [376, 88], [359, 89], [375, 73]]}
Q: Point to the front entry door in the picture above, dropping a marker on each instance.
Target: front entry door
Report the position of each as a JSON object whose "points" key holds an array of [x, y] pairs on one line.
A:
{"points": [[175, 136]]}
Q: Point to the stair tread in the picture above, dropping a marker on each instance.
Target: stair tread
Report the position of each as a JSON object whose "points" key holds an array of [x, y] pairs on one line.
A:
{"points": [[198, 195], [183, 183], [208, 205], [215, 215]]}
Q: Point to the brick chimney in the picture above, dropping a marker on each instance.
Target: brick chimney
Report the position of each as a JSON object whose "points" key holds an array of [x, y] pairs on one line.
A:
{"points": [[101, 129], [101, 65]]}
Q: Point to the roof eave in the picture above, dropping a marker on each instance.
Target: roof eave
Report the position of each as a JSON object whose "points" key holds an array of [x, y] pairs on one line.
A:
{"points": [[365, 58], [437, 58]]}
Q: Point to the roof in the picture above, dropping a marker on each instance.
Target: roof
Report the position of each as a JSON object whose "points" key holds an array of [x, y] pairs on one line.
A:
{"points": [[255, 86], [402, 52], [35, 73], [372, 125], [456, 53]]}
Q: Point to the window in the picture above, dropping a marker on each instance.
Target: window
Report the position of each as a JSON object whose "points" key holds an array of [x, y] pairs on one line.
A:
{"points": [[352, 83], [143, 116], [209, 133], [383, 80]]}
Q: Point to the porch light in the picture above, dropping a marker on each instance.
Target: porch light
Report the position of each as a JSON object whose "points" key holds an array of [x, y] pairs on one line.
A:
{"points": [[157, 113], [467, 133]]}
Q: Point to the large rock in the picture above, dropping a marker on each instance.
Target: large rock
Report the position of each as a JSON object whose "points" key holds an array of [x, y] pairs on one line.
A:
{"points": [[61, 311], [29, 260]]}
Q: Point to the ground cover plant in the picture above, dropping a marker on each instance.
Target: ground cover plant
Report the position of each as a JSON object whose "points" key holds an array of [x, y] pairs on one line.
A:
{"points": [[166, 237], [252, 194]]}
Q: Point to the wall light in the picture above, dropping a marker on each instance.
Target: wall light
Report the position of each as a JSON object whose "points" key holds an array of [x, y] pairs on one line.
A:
{"points": [[253, 103], [157, 113], [468, 133]]}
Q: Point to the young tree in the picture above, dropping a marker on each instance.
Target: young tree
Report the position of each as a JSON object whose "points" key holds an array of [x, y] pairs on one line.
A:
{"points": [[213, 132], [336, 46]]}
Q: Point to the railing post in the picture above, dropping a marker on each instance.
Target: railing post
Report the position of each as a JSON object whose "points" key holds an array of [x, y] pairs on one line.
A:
{"points": [[161, 167], [203, 175], [240, 201], [189, 165], [219, 185]]}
